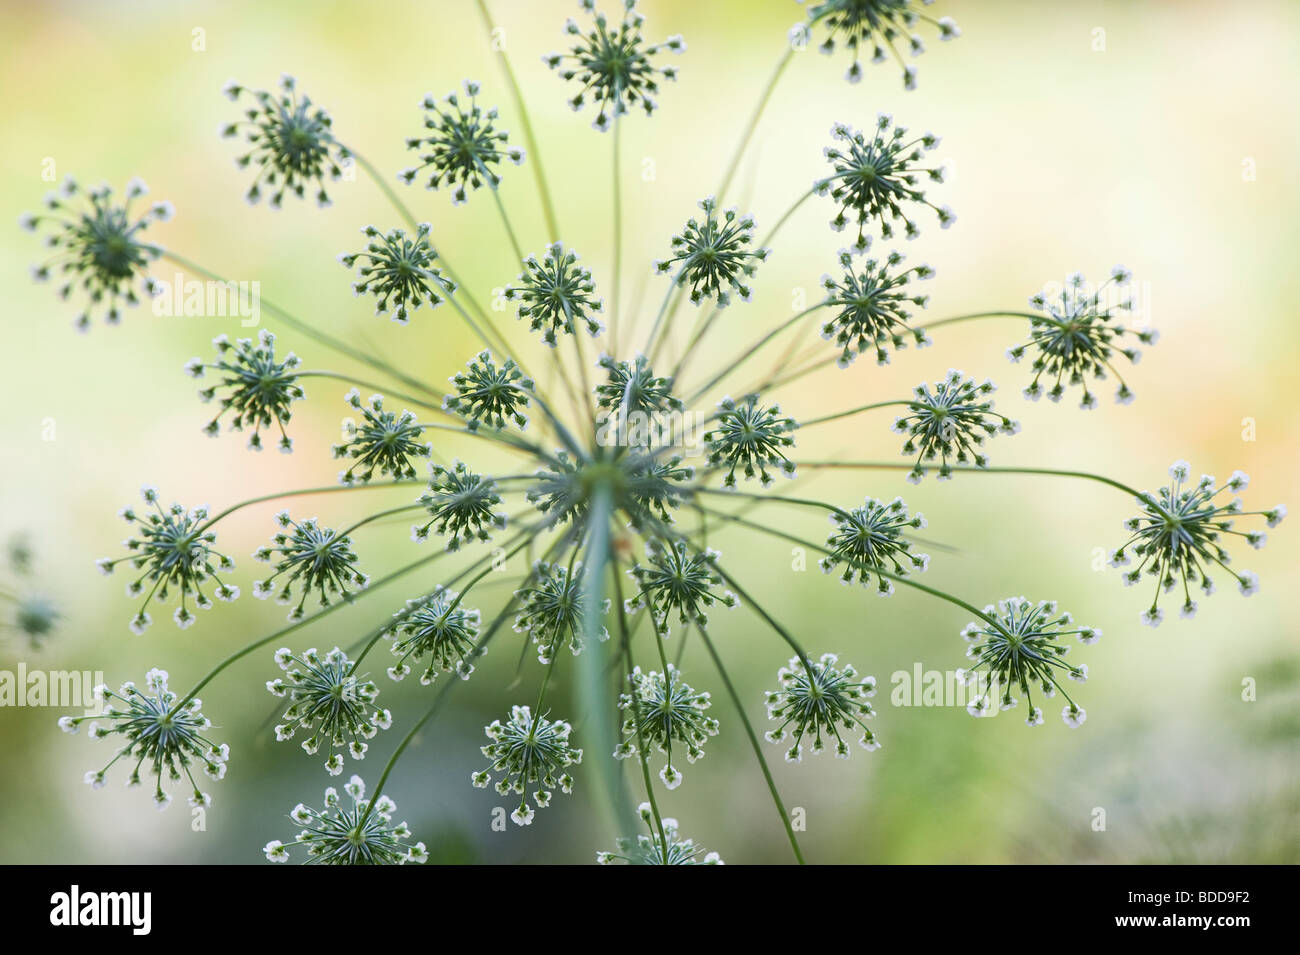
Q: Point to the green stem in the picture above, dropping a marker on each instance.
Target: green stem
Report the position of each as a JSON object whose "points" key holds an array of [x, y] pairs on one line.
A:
{"points": [[852, 411], [285, 631], [753, 742], [752, 125], [548, 207], [889, 465], [302, 327], [327, 489]]}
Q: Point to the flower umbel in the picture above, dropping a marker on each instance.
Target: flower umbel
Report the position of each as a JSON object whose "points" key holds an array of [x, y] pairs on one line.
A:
{"points": [[528, 751], [486, 393], [98, 248], [460, 504], [821, 699], [1019, 645], [678, 580], [350, 835], [1079, 335], [876, 175], [653, 850], [634, 387], [1179, 534], [311, 558], [383, 442], [158, 730], [329, 702], [713, 257], [952, 420], [614, 66], [173, 549], [878, 25], [556, 294], [260, 389], [291, 142], [438, 628], [462, 147], [551, 609], [871, 538], [399, 271], [661, 709], [871, 306], [751, 437]]}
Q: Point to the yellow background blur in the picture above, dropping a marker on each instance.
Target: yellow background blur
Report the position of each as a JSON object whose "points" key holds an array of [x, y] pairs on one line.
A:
{"points": [[1062, 158]]}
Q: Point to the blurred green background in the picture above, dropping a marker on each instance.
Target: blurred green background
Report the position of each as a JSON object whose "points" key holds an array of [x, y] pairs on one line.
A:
{"points": [[1062, 157]]}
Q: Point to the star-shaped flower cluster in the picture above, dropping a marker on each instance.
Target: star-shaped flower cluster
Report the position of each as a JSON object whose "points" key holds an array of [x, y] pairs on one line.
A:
{"points": [[159, 729], [952, 420], [614, 64], [339, 834], [328, 701], [819, 699], [173, 549], [399, 271], [870, 538], [1019, 644], [1179, 536], [98, 248], [291, 143], [260, 389], [528, 750], [309, 558], [462, 146], [876, 176]]}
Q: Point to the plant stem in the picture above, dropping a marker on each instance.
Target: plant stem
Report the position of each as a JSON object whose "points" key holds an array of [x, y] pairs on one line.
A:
{"points": [[753, 742], [752, 125], [548, 207]]}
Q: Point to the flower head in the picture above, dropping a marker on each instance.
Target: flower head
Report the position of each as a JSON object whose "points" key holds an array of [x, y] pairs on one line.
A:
{"points": [[671, 849], [1019, 644], [819, 699], [460, 504], [528, 750], [1080, 335], [951, 421], [678, 580], [751, 437], [614, 65], [35, 617], [439, 628], [556, 294], [881, 26], [399, 271], [461, 147], [875, 176], [552, 609], [311, 558], [635, 388], [98, 247], [1179, 536], [383, 442], [350, 835], [291, 143], [328, 701], [871, 538], [661, 709], [486, 393], [713, 257], [259, 389], [173, 549], [160, 730], [872, 307]]}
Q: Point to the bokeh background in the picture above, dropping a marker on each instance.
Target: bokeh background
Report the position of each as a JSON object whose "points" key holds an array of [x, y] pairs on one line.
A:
{"points": [[1167, 149]]}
